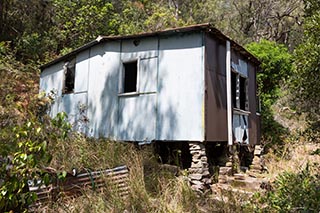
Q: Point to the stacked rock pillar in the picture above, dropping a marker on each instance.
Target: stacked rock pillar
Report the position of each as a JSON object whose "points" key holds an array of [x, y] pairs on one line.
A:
{"points": [[257, 165], [199, 171], [225, 171]]}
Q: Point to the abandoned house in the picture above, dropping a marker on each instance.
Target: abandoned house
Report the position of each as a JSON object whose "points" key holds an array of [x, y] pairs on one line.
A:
{"points": [[190, 88]]}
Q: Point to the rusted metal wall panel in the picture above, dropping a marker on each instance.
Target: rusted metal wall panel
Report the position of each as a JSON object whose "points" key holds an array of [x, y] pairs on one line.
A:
{"points": [[216, 94], [254, 121], [114, 180], [180, 103], [241, 117]]}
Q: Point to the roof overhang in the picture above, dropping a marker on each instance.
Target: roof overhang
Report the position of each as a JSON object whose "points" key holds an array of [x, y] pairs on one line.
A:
{"points": [[207, 27]]}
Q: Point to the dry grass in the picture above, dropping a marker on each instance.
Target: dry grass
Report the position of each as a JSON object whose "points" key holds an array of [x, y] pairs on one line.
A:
{"points": [[155, 190], [294, 159]]}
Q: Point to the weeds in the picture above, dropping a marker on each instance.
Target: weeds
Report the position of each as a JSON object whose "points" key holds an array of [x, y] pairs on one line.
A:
{"points": [[292, 192]]}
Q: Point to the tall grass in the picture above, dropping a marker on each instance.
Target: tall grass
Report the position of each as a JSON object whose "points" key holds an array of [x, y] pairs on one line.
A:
{"points": [[151, 188]]}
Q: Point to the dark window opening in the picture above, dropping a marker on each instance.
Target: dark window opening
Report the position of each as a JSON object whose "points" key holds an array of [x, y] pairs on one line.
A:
{"points": [[243, 93], [234, 89], [130, 77], [239, 91], [69, 77]]}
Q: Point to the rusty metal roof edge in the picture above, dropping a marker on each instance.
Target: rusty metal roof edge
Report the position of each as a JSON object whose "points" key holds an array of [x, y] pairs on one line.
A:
{"points": [[204, 26], [234, 44]]}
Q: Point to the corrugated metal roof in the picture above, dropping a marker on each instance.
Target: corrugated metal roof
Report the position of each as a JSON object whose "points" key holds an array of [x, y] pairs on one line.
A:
{"points": [[198, 27]]}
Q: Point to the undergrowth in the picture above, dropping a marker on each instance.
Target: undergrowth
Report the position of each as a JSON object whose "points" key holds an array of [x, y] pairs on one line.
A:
{"points": [[31, 141]]}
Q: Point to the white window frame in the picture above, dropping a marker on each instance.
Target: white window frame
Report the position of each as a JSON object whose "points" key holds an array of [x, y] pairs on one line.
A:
{"points": [[122, 77]]}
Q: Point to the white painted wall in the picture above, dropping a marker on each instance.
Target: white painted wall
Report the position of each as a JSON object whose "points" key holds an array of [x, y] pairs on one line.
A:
{"points": [[180, 105], [50, 82], [103, 89], [137, 118], [82, 72], [169, 104], [51, 79], [137, 113]]}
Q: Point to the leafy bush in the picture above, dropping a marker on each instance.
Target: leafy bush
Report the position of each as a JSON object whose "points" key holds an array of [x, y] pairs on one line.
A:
{"points": [[24, 165], [276, 68], [25, 154], [295, 192], [305, 81]]}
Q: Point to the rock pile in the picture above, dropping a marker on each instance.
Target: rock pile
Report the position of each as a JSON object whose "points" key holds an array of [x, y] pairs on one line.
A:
{"points": [[199, 171], [225, 171], [257, 166]]}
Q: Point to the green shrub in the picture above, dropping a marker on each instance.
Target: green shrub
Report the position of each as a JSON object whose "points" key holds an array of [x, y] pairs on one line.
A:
{"points": [[295, 192]]}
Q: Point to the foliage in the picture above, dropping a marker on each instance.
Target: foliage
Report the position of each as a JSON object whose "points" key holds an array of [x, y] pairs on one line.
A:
{"points": [[30, 153], [41, 30], [146, 16], [295, 192], [23, 24], [33, 31], [275, 65], [78, 22], [24, 137], [311, 7], [132, 16], [24, 153], [276, 69], [162, 18], [305, 82]]}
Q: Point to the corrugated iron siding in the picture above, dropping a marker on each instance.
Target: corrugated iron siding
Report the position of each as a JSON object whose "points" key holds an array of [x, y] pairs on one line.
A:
{"points": [[254, 120], [236, 59], [115, 180], [216, 92]]}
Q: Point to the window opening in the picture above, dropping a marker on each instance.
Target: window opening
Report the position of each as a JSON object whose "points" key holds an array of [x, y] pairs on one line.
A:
{"points": [[243, 93], [239, 87], [234, 88], [69, 72], [130, 76]]}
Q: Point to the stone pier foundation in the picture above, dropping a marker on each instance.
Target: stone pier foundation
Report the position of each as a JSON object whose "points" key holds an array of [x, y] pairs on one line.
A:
{"points": [[199, 171], [225, 171], [257, 162]]}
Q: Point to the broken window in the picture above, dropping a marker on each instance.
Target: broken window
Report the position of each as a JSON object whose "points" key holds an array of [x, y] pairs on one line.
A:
{"points": [[69, 76], [239, 87], [234, 89], [130, 76], [243, 93]]}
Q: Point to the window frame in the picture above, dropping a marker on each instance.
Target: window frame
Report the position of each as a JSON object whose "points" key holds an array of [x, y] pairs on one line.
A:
{"points": [[122, 77], [69, 65], [236, 91]]}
